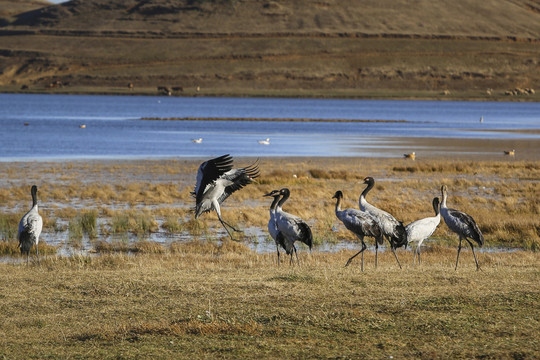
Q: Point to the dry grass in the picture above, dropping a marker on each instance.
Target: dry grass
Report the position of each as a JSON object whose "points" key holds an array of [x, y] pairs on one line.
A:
{"points": [[223, 301]]}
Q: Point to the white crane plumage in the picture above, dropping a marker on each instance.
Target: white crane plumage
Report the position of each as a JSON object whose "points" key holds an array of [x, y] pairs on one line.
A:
{"points": [[291, 226], [462, 224], [30, 227], [392, 229], [359, 223], [216, 181], [420, 230], [273, 229]]}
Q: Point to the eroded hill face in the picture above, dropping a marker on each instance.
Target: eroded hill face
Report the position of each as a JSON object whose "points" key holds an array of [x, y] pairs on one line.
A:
{"points": [[276, 47]]}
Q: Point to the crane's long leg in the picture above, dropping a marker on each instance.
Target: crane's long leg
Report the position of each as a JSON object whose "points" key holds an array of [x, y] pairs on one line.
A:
{"points": [[376, 251], [277, 249], [296, 253], [419, 260], [395, 255], [223, 223], [37, 253], [414, 256], [476, 261], [360, 252], [458, 251]]}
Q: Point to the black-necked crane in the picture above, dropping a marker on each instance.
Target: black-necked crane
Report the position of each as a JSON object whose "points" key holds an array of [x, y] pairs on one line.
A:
{"points": [[291, 226], [361, 224], [30, 227], [420, 230], [462, 224], [216, 181], [273, 229], [392, 229]]}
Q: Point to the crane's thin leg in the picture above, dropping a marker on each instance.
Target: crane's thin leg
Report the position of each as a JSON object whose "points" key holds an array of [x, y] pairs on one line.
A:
{"points": [[376, 251], [414, 256], [296, 253], [458, 251], [419, 260], [395, 255], [277, 249], [37, 253], [360, 252], [225, 227], [476, 261]]}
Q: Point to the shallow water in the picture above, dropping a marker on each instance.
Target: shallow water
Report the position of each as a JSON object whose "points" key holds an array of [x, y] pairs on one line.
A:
{"points": [[114, 129]]}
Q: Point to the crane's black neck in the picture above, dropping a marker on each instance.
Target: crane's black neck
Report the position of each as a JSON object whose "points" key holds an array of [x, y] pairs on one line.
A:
{"points": [[370, 184], [274, 203], [34, 195], [286, 193], [436, 206]]}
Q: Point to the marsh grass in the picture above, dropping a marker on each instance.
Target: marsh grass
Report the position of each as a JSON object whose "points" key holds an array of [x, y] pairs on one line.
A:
{"points": [[500, 195]]}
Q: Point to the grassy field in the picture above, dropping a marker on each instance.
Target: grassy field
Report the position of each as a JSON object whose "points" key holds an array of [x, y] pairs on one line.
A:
{"points": [[209, 297], [206, 301]]}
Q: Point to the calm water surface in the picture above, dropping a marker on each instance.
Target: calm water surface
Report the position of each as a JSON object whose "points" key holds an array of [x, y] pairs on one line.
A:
{"points": [[114, 128]]}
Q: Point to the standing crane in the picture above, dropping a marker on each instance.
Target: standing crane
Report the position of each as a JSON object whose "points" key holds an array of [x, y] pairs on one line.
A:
{"points": [[462, 224], [216, 181], [291, 226], [359, 223], [273, 229], [392, 229], [30, 227], [420, 230]]}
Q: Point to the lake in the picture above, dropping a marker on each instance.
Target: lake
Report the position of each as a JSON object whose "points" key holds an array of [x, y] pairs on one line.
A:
{"points": [[58, 127]]}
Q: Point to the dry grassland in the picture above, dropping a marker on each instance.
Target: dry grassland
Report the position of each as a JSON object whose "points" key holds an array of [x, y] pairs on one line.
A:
{"points": [[208, 301], [218, 299]]}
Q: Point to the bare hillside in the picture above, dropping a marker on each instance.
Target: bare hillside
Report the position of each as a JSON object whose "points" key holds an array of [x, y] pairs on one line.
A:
{"points": [[322, 48]]}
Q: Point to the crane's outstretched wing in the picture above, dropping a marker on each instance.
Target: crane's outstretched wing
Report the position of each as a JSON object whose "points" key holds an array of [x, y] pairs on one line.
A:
{"points": [[236, 179], [210, 171]]}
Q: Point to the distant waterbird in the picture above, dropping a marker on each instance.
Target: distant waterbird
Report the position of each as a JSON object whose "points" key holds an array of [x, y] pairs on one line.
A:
{"points": [[411, 156], [291, 226], [196, 141], [273, 229], [392, 229], [30, 227], [216, 181], [264, 142], [420, 230], [361, 224], [462, 224], [510, 152]]}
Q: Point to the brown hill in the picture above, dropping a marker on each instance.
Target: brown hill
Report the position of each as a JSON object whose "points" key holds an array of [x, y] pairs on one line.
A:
{"points": [[249, 47]]}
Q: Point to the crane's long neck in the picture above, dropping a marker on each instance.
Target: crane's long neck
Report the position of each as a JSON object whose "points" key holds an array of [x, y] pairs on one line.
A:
{"points": [[274, 203], [34, 198], [282, 201], [367, 189], [443, 201], [436, 207], [338, 204]]}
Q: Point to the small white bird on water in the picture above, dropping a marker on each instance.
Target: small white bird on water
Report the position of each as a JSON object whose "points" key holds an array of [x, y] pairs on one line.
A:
{"points": [[30, 227], [264, 142], [420, 230], [216, 181], [197, 141]]}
